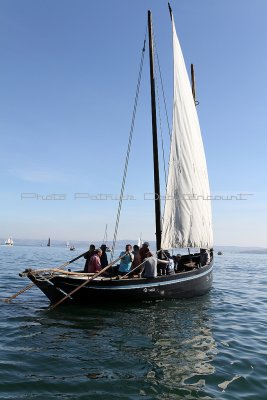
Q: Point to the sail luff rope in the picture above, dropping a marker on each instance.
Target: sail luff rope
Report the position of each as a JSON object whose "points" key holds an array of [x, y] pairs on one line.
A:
{"points": [[128, 149]]}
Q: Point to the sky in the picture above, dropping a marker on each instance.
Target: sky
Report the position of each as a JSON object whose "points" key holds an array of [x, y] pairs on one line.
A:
{"points": [[68, 76]]}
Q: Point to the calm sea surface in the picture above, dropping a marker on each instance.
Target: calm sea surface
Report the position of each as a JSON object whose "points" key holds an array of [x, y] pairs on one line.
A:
{"points": [[211, 347]]}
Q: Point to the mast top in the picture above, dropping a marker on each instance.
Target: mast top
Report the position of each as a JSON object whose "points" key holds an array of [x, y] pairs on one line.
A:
{"points": [[170, 9]]}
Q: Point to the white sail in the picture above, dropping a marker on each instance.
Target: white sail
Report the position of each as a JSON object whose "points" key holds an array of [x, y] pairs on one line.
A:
{"points": [[187, 218], [9, 241]]}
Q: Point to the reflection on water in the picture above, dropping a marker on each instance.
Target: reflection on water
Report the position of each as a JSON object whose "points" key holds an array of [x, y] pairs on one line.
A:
{"points": [[160, 348], [182, 346], [212, 347]]}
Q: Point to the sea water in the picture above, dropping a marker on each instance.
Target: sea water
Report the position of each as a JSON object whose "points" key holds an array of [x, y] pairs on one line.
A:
{"points": [[211, 347]]}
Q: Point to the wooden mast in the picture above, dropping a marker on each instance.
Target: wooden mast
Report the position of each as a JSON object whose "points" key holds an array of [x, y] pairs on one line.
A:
{"points": [[193, 83], [154, 135]]}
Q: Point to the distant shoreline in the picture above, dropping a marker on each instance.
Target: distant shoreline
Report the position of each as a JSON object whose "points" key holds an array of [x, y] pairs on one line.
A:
{"points": [[121, 243]]}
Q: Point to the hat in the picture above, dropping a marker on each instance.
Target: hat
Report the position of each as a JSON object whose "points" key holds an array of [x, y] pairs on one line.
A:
{"points": [[103, 246], [146, 244]]}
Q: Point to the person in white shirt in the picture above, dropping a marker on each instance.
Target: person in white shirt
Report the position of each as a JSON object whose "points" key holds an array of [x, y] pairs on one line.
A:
{"points": [[149, 267]]}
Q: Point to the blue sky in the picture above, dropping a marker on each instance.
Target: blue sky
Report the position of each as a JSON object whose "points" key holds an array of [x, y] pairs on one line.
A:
{"points": [[68, 74]]}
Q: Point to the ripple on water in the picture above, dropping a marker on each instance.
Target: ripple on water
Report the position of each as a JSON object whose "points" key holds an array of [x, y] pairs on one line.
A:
{"points": [[213, 347]]}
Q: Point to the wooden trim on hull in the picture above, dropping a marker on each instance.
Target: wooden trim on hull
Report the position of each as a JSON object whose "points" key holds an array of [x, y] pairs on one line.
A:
{"points": [[182, 285]]}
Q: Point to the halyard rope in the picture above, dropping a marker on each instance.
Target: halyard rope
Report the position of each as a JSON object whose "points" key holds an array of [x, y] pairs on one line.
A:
{"points": [[128, 150]]}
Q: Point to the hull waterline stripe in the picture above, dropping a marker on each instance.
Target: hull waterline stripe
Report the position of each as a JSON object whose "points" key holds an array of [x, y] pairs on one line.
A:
{"points": [[152, 284]]}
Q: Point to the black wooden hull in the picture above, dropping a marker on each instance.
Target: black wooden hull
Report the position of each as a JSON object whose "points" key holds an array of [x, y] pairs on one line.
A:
{"points": [[182, 285]]}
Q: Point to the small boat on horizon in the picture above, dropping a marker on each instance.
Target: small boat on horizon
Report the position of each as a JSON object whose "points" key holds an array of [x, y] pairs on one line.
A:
{"points": [[49, 242], [9, 241]]}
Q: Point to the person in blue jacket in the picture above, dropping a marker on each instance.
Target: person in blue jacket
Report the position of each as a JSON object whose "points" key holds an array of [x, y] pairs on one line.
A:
{"points": [[126, 260]]}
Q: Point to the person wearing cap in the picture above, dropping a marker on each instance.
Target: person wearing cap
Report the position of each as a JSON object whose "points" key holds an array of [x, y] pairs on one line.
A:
{"points": [[144, 252], [104, 257]]}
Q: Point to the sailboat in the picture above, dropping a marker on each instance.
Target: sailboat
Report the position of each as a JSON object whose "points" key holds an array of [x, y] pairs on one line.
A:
{"points": [[9, 242], [186, 221], [105, 239], [49, 242]]}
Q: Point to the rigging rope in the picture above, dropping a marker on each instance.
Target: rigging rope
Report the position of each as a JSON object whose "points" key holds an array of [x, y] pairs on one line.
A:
{"points": [[166, 113], [128, 149], [159, 109], [165, 106], [161, 135], [162, 88]]}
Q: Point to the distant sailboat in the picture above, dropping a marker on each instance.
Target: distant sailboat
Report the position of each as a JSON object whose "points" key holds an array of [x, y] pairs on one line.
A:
{"points": [[49, 242], [140, 241], [105, 239], [68, 244], [9, 241]]}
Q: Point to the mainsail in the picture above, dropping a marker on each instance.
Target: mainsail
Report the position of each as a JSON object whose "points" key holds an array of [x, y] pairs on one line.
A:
{"points": [[187, 218]]}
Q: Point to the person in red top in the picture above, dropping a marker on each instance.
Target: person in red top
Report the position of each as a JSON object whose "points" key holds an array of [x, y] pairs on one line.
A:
{"points": [[95, 262]]}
